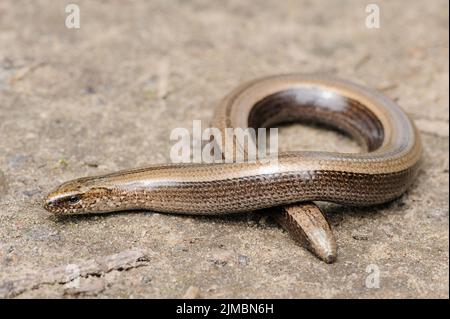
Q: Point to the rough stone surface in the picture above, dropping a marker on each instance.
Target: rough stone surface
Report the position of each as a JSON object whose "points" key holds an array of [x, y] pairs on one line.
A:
{"points": [[106, 97]]}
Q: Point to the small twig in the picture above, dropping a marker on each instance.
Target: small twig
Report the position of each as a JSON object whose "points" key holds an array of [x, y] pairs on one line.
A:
{"points": [[19, 75], [163, 79], [366, 58], [192, 293], [387, 87]]}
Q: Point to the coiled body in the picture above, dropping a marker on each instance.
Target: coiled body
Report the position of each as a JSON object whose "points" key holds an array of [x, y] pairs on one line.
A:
{"points": [[378, 175]]}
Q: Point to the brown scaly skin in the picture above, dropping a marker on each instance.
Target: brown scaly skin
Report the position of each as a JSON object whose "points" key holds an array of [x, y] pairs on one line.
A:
{"points": [[380, 174]]}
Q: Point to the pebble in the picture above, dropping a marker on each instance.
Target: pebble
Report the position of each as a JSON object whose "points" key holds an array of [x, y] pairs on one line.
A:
{"points": [[146, 280], [243, 260]]}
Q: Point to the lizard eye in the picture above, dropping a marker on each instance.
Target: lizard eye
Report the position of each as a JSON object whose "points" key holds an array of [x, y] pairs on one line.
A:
{"points": [[74, 199]]}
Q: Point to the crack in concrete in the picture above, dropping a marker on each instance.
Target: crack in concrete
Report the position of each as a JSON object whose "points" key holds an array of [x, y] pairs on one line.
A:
{"points": [[96, 267]]}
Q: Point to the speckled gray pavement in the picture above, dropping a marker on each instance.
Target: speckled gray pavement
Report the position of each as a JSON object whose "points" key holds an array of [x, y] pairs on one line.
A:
{"points": [[104, 97]]}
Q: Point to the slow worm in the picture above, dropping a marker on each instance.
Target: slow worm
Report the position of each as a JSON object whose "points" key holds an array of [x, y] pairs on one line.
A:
{"points": [[380, 174]]}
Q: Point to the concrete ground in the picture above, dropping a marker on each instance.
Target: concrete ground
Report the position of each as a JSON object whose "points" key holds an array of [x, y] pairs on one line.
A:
{"points": [[76, 102]]}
